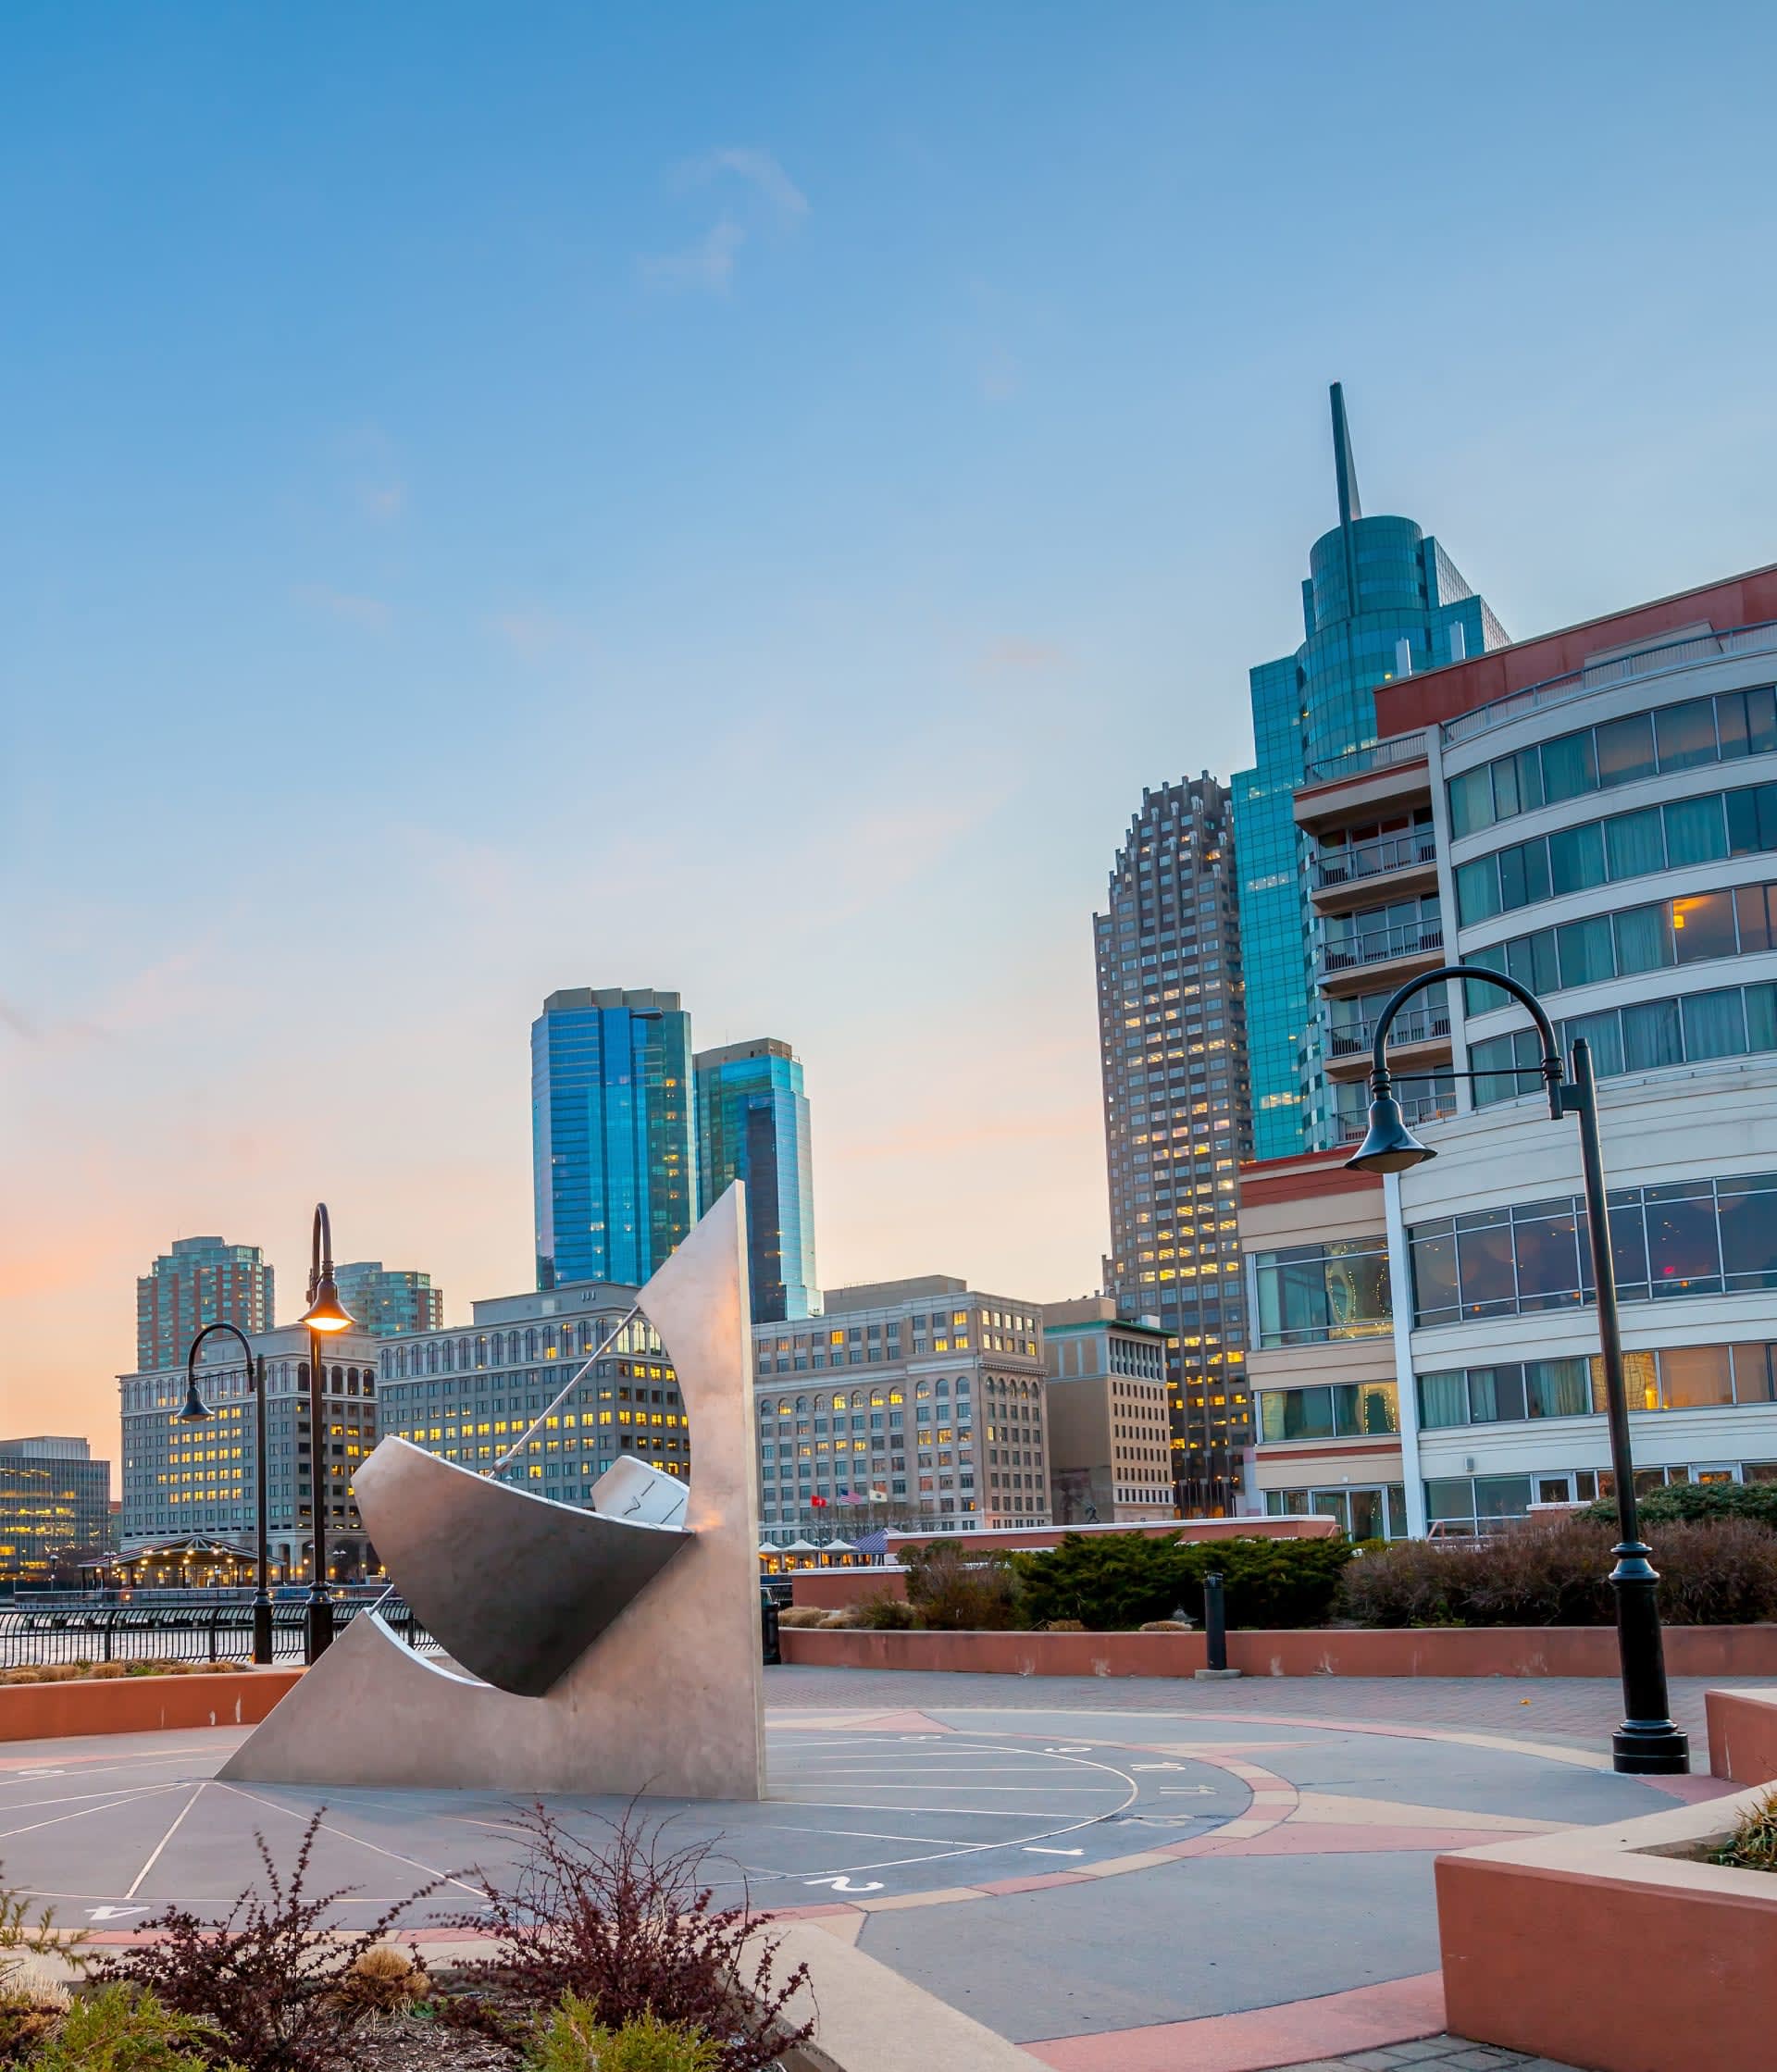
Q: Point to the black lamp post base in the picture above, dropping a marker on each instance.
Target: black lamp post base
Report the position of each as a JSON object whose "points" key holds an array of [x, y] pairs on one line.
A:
{"points": [[262, 1631], [1650, 1748], [318, 1632]]}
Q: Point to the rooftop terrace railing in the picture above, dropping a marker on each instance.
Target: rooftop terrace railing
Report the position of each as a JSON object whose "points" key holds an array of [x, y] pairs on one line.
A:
{"points": [[1378, 756], [1649, 660]]}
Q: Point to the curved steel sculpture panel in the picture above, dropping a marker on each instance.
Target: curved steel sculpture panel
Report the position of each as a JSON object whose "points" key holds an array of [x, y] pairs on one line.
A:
{"points": [[513, 1587], [606, 1652]]}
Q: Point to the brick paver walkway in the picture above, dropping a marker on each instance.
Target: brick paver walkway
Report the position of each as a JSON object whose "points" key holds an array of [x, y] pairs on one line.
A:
{"points": [[1445, 2054], [1581, 1711]]}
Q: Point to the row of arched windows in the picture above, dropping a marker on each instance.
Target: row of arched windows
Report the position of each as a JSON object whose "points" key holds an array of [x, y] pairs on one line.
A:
{"points": [[506, 1349]]}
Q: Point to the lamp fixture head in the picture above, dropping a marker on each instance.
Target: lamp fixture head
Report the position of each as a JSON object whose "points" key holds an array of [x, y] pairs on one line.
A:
{"points": [[326, 1311], [194, 1412], [1388, 1144]]}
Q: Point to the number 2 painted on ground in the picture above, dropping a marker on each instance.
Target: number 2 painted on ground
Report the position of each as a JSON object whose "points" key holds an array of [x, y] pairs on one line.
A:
{"points": [[845, 1884]]}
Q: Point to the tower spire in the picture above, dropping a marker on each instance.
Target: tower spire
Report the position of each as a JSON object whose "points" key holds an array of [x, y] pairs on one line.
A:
{"points": [[1344, 466]]}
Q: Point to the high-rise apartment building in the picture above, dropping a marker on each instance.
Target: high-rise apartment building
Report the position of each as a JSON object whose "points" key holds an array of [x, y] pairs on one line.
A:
{"points": [[383, 1300], [1602, 804], [181, 1481], [1381, 600], [54, 1500], [752, 1125], [1177, 1115], [201, 1281], [613, 1136]]}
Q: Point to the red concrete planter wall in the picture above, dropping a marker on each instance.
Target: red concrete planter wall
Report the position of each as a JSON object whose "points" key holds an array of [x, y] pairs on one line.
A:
{"points": [[833, 1589], [140, 1704], [1741, 1651], [1743, 1735], [1612, 1947]]}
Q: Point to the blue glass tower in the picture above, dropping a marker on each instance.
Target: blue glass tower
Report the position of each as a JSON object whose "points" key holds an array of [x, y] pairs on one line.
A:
{"points": [[614, 1156], [1380, 594], [752, 1125]]}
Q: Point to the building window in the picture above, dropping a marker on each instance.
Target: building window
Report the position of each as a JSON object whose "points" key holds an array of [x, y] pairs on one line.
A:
{"points": [[1684, 1238], [1341, 1410], [1311, 1293]]}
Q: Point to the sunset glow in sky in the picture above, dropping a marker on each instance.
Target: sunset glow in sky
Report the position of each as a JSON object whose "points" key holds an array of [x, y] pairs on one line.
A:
{"points": [[740, 500]]}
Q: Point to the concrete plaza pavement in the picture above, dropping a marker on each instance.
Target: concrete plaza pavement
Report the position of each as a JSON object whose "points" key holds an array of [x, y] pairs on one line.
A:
{"points": [[1115, 1875]]}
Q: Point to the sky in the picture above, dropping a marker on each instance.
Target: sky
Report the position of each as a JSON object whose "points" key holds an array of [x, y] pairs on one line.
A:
{"points": [[741, 499]]}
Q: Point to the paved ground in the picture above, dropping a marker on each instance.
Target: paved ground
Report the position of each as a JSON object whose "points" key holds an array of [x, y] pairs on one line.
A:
{"points": [[1118, 1875], [1576, 1709]]}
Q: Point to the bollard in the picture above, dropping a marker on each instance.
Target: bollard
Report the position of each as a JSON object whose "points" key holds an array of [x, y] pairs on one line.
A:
{"points": [[1215, 1629]]}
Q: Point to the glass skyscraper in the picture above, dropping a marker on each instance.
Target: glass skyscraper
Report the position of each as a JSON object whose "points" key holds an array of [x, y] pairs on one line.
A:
{"points": [[752, 1125], [614, 1146], [201, 1281], [1176, 1118], [1382, 599]]}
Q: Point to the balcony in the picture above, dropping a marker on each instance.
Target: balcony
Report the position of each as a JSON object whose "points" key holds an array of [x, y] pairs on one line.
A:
{"points": [[1402, 863], [1364, 964], [1369, 783], [1420, 1039], [1433, 1106]]}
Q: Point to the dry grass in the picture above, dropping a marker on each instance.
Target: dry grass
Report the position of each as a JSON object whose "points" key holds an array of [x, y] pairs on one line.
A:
{"points": [[109, 1673]]}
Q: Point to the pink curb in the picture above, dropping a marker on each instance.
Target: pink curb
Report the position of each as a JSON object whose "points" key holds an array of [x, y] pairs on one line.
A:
{"points": [[1366, 2018]]}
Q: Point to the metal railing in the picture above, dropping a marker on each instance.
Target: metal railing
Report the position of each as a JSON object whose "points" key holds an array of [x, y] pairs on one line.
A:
{"points": [[1380, 946], [1368, 860], [1414, 1108], [1378, 756], [220, 1632], [1645, 662], [1425, 1027]]}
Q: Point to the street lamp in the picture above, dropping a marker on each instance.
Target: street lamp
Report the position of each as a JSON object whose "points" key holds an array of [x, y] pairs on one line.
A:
{"points": [[195, 1413], [325, 1314], [1647, 1743]]}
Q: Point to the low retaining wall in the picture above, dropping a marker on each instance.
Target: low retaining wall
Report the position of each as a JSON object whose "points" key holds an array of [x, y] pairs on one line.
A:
{"points": [[833, 1589], [140, 1704], [1736, 1651], [1743, 1735], [1611, 1946]]}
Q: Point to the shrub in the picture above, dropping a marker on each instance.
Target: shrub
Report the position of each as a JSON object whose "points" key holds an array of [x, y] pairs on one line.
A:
{"points": [[104, 1672], [1113, 1583], [1694, 1502], [1753, 1844], [574, 2040], [891, 1615], [383, 1980], [1164, 1626], [117, 2030], [952, 1591], [265, 1978], [801, 1615], [632, 1929], [1724, 1573]]}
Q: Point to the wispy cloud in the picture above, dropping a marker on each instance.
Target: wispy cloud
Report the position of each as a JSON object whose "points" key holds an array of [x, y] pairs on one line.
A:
{"points": [[758, 168], [708, 264], [383, 502], [535, 635], [772, 202], [370, 613]]}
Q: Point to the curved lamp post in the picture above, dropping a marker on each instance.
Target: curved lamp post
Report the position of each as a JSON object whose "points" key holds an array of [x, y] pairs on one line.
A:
{"points": [[325, 1314], [1647, 1743], [195, 1413]]}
